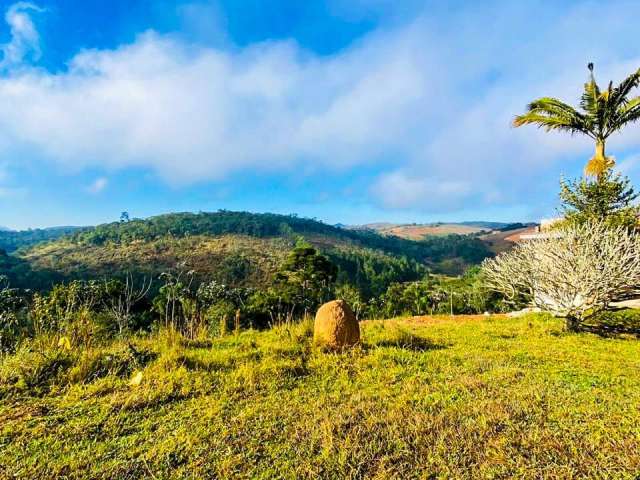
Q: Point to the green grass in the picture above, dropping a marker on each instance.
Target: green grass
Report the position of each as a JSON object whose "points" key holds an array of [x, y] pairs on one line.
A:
{"points": [[468, 397]]}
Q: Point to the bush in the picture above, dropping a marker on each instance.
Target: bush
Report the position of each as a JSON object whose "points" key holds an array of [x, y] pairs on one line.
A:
{"points": [[620, 321], [121, 362], [574, 273], [13, 316], [220, 317], [35, 369]]}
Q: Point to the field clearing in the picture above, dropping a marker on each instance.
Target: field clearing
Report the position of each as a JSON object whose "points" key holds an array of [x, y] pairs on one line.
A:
{"points": [[426, 397], [502, 241], [418, 232]]}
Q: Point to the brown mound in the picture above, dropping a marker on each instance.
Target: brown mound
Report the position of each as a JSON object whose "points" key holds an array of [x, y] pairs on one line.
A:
{"points": [[336, 325]]}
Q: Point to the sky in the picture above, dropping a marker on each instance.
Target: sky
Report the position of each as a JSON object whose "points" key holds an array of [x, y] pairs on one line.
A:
{"points": [[349, 111]]}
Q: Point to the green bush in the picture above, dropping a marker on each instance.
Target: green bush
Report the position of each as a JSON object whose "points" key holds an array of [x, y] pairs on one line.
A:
{"points": [[627, 320], [13, 316], [122, 362], [35, 369], [220, 317]]}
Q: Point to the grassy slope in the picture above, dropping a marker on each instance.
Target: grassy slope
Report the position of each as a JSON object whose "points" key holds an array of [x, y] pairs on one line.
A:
{"points": [[205, 254], [418, 232], [469, 397], [153, 257]]}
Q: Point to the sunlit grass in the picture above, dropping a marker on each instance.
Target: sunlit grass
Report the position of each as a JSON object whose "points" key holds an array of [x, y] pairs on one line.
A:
{"points": [[468, 397]]}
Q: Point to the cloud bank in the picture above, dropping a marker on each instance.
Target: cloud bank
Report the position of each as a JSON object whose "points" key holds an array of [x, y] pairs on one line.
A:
{"points": [[427, 104]]}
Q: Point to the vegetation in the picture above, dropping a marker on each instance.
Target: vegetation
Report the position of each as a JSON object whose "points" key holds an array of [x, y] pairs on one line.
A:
{"points": [[87, 311], [610, 199], [267, 225], [435, 398], [603, 114], [11, 241], [180, 347], [12, 315], [235, 248], [576, 273]]}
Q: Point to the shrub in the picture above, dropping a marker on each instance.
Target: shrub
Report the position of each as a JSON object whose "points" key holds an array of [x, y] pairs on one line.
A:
{"points": [[219, 317], [575, 273], [35, 369], [121, 362], [13, 319]]}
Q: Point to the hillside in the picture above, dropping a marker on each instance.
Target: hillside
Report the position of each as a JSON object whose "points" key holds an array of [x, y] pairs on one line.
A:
{"points": [[416, 231], [419, 232], [462, 397], [501, 240], [11, 240], [235, 247]]}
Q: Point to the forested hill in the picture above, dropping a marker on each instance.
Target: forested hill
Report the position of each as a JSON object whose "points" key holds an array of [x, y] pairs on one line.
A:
{"points": [[10, 240], [264, 225], [237, 248]]}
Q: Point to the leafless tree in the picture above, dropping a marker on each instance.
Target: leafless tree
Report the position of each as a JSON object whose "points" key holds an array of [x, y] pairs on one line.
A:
{"points": [[574, 273], [121, 304]]}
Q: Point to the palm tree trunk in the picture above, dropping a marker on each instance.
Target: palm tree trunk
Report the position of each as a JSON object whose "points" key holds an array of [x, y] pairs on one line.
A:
{"points": [[600, 147]]}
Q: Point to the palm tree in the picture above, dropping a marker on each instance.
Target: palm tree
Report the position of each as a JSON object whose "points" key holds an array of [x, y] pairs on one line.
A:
{"points": [[602, 114]]}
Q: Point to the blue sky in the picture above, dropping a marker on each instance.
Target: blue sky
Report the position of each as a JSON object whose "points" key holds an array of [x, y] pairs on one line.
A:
{"points": [[349, 111]]}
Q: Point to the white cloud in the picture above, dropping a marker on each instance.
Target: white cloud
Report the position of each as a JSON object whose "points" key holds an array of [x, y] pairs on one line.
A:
{"points": [[25, 40], [400, 190], [430, 103], [98, 185], [193, 114]]}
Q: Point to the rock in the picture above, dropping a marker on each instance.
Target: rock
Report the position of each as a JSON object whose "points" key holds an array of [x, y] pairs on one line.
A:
{"points": [[336, 325]]}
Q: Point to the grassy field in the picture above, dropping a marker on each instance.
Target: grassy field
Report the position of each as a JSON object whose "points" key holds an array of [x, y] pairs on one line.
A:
{"points": [[468, 397], [419, 232]]}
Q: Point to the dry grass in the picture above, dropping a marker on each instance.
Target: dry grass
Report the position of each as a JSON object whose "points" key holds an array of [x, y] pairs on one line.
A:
{"points": [[418, 232]]}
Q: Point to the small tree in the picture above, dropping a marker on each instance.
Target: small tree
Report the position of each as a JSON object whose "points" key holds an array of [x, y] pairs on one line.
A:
{"points": [[124, 296], [575, 273], [609, 198], [305, 278], [171, 295]]}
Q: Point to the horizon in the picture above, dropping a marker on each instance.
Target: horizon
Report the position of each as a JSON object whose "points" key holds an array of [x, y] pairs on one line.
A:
{"points": [[202, 105], [336, 224]]}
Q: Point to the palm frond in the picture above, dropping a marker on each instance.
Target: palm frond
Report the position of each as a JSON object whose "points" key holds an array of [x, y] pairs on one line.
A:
{"points": [[589, 99], [550, 122], [619, 94], [553, 114], [601, 114], [628, 113]]}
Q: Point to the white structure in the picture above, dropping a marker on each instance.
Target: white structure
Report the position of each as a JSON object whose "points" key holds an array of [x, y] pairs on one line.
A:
{"points": [[544, 230]]}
